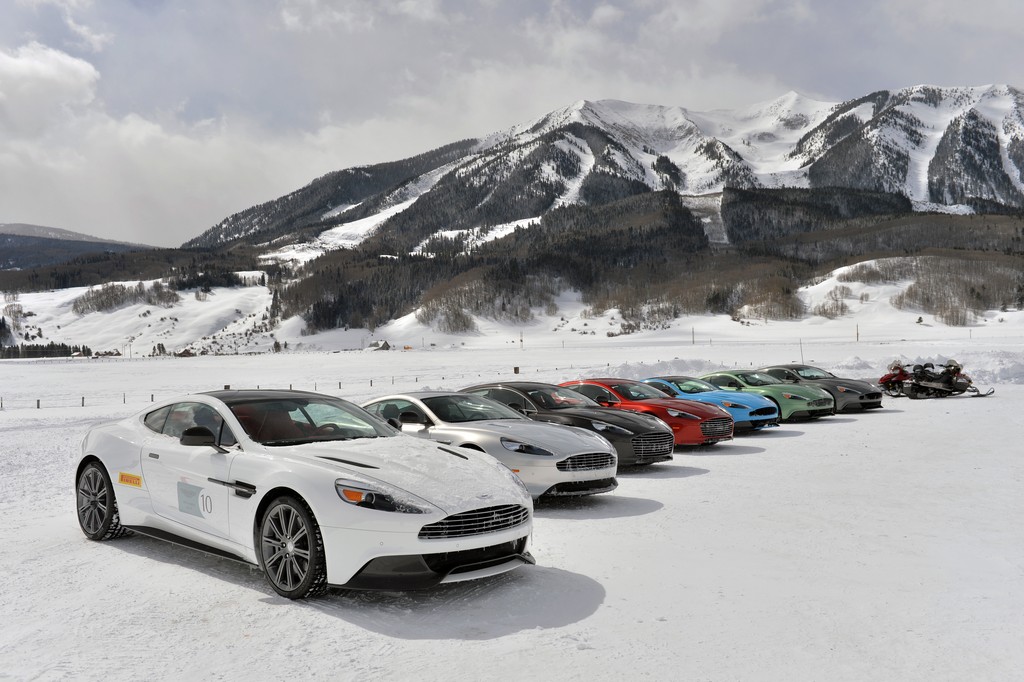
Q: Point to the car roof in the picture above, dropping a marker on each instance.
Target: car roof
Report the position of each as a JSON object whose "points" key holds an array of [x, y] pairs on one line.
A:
{"points": [[521, 385], [233, 396], [607, 380], [420, 395]]}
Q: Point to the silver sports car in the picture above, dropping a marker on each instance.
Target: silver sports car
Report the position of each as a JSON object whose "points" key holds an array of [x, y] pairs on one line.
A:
{"points": [[550, 459]]}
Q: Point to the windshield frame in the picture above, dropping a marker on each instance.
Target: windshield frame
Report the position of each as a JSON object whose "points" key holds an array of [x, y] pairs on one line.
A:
{"points": [[470, 400], [312, 420]]}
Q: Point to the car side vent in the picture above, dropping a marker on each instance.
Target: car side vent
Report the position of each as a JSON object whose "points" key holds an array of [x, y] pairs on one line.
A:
{"points": [[452, 452], [349, 462]]}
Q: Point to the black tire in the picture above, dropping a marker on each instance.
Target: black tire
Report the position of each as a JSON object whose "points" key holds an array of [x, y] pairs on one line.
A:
{"points": [[291, 549], [96, 504]]}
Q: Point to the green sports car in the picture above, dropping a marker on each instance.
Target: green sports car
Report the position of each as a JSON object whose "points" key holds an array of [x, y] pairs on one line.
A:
{"points": [[794, 402]]}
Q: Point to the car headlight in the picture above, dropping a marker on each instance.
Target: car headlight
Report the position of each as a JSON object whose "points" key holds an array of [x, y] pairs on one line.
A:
{"points": [[679, 414], [732, 405], [379, 496], [605, 427], [514, 476], [525, 448], [793, 396], [844, 389]]}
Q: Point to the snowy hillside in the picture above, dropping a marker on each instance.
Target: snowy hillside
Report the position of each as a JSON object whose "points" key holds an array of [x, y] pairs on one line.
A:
{"points": [[230, 321]]}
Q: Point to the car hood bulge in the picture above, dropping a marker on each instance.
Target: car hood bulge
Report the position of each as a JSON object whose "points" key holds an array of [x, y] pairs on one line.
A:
{"points": [[751, 400], [802, 390], [559, 439], [451, 478], [855, 384], [698, 409], [634, 422]]}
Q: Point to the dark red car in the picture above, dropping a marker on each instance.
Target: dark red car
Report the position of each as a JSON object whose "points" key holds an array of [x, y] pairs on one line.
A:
{"points": [[692, 423]]}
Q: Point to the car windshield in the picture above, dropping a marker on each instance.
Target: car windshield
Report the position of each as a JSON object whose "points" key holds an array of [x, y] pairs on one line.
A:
{"points": [[634, 390], [814, 373], [691, 385], [757, 379], [291, 421], [466, 407], [559, 398]]}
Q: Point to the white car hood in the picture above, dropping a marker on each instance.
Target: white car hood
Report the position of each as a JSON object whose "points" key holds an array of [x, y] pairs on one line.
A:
{"points": [[451, 478]]}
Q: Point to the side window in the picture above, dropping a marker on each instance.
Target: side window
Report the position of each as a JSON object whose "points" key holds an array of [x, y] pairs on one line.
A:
{"points": [[510, 398], [155, 420], [393, 409], [204, 415], [178, 420], [718, 380], [594, 392], [186, 415]]}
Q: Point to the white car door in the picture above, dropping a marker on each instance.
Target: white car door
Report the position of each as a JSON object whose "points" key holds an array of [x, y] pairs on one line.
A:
{"points": [[186, 481]]}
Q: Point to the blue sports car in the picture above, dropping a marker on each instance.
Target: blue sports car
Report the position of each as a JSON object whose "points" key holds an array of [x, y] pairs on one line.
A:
{"points": [[749, 411]]}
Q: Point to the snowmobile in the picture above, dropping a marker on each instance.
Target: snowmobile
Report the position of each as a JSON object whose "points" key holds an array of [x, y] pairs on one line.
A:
{"points": [[892, 382], [926, 382]]}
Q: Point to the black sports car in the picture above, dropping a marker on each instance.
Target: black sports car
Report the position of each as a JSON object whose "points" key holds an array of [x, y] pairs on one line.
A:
{"points": [[638, 438]]}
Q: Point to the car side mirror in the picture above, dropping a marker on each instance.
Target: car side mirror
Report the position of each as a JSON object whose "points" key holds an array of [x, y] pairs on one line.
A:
{"points": [[393, 422], [734, 384], [200, 436], [603, 402], [410, 418]]}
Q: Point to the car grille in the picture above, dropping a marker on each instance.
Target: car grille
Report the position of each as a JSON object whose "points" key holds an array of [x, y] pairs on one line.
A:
{"points": [[763, 412], [821, 402], [871, 396], [587, 462], [716, 427], [653, 444], [476, 522]]}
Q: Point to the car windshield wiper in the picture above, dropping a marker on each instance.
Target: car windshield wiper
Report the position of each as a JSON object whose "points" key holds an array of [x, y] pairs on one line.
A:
{"points": [[287, 441]]}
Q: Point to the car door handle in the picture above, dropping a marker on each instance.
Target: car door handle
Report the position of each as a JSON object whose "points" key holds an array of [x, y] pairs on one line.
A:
{"points": [[153, 455], [444, 442]]}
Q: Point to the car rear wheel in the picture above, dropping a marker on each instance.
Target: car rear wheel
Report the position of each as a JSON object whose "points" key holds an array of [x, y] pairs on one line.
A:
{"points": [[97, 507], [291, 549]]}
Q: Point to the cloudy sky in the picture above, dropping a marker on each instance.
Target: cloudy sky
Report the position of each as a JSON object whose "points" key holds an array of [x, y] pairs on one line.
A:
{"points": [[151, 120]]}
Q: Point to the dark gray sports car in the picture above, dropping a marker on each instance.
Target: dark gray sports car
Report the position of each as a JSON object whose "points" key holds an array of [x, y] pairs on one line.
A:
{"points": [[849, 394]]}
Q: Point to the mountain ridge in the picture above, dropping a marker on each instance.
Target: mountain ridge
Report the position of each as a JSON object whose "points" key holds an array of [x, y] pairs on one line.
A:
{"points": [[938, 146]]}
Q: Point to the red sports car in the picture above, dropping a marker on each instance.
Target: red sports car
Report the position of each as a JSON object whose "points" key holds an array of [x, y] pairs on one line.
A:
{"points": [[692, 423]]}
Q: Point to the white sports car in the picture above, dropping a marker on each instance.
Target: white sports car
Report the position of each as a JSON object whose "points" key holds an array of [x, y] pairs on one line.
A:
{"points": [[310, 488], [551, 459]]}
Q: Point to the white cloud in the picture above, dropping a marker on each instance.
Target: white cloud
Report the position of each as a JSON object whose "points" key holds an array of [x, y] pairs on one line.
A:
{"points": [[315, 15], [204, 109], [42, 88]]}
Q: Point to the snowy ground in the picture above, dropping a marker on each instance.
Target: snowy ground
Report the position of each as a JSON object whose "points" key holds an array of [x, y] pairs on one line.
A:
{"points": [[880, 546]]}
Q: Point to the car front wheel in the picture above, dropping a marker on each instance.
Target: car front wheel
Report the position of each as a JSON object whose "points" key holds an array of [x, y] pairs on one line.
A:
{"points": [[291, 549], [97, 508]]}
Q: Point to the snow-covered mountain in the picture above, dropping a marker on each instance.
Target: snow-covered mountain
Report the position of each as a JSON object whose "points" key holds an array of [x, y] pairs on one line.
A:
{"points": [[24, 246], [943, 148]]}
